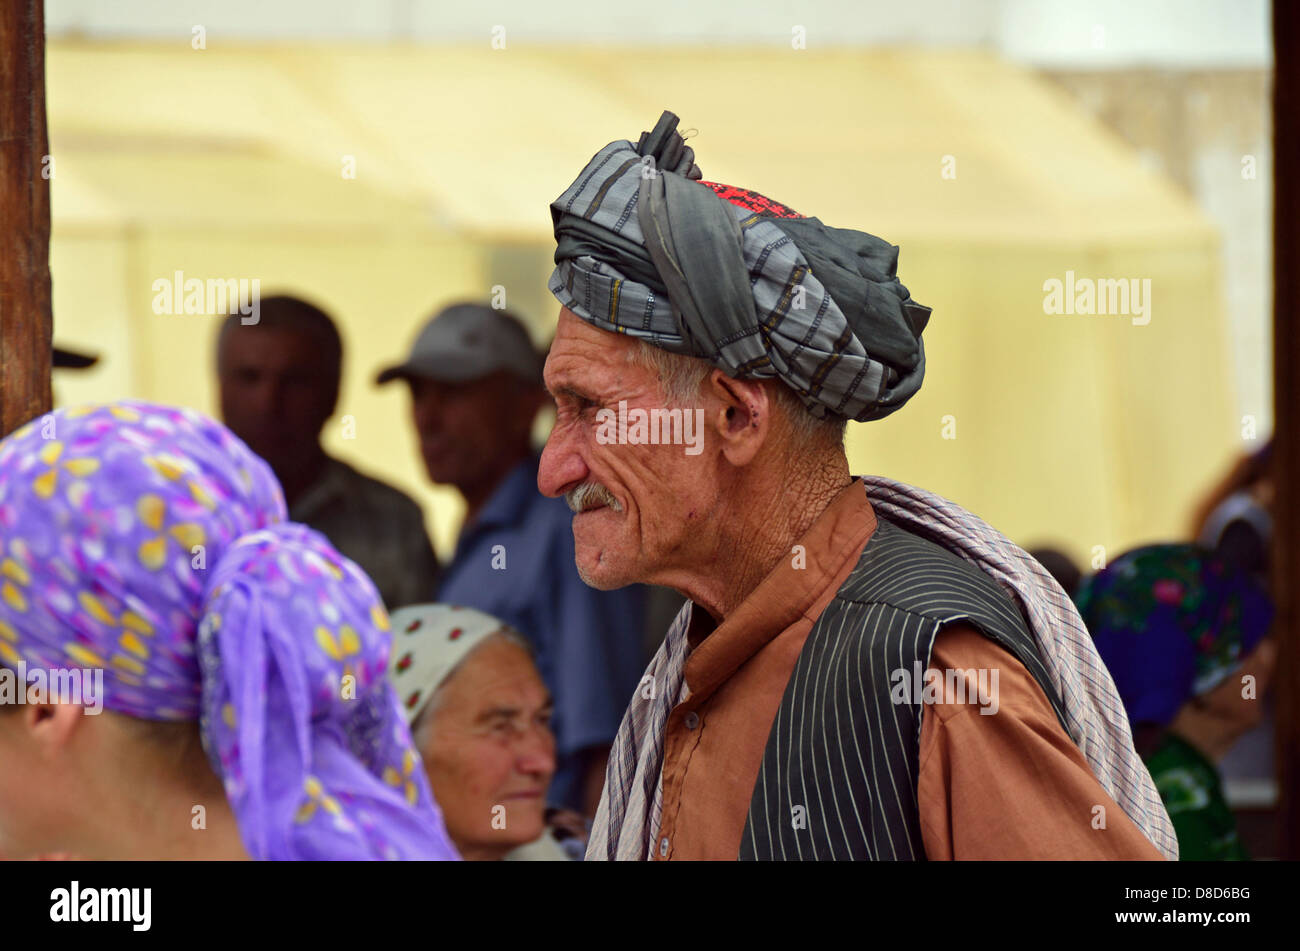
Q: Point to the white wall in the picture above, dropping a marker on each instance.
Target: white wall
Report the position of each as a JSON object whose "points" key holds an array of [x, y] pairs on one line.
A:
{"points": [[1068, 33], [1185, 34]]}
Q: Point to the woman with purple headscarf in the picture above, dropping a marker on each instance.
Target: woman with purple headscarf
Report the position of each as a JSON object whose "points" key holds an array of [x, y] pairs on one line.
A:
{"points": [[242, 659]]}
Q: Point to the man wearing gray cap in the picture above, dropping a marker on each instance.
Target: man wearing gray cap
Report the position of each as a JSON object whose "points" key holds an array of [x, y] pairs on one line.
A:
{"points": [[475, 380]]}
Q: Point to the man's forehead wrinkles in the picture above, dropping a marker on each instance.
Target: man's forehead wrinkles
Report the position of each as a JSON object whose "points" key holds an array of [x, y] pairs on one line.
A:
{"points": [[585, 352], [561, 380], [575, 373]]}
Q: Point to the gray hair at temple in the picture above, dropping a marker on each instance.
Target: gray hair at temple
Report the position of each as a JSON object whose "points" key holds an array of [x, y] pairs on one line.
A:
{"points": [[682, 377]]}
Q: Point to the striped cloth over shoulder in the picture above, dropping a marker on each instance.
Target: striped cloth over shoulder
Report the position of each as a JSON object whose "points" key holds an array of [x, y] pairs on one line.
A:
{"points": [[628, 818]]}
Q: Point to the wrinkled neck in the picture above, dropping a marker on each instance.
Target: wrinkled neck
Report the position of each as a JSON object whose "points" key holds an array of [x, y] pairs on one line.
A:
{"points": [[759, 527]]}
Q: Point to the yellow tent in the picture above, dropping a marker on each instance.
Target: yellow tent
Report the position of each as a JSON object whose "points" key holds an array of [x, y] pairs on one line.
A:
{"points": [[385, 181]]}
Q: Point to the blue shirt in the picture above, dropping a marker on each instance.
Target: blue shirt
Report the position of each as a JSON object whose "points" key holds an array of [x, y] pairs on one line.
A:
{"points": [[516, 562]]}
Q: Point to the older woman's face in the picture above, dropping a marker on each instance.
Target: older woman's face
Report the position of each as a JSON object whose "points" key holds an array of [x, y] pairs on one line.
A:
{"points": [[489, 751], [663, 493]]}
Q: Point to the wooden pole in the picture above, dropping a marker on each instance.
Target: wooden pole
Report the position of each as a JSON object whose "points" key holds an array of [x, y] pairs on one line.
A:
{"points": [[25, 319], [1286, 401]]}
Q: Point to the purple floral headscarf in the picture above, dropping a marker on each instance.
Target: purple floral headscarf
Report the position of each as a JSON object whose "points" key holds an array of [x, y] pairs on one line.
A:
{"points": [[150, 542]]}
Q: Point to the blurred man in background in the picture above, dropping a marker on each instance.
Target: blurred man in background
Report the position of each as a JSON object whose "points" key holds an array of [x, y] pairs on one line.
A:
{"points": [[475, 381], [279, 381]]}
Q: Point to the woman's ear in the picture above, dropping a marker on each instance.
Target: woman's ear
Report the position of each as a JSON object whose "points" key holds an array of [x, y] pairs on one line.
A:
{"points": [[741, 415], [52, 727]]}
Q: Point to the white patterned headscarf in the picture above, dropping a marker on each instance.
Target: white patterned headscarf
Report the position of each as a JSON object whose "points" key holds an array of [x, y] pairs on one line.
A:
{"points": [[627, 820], [429, 641]]}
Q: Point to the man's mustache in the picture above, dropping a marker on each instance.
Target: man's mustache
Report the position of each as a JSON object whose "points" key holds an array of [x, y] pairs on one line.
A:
{"points": [[591, 495]]}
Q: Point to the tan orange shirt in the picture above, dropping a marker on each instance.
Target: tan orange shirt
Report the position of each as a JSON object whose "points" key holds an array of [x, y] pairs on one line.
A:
{"points": [[1012, 785]]}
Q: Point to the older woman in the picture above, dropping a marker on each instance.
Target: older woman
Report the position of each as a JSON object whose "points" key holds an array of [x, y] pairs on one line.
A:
{"points": [[245, 711], [480, 715]]}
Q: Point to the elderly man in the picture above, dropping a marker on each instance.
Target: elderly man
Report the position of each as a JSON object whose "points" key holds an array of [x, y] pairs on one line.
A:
{"points": [[862, 669]]}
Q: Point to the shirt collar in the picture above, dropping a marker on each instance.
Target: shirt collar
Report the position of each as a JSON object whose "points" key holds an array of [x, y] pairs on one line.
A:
{"points": [[791, 590]]}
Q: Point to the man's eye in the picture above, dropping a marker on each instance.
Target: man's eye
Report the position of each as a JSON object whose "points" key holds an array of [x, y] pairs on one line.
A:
{"points": [[578, 406]]}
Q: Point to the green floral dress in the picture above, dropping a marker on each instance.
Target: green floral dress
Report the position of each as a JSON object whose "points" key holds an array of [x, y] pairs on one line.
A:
{"points": [[1190, 787]]}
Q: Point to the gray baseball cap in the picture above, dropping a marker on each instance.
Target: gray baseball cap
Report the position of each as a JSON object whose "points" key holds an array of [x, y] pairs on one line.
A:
{"points": [[466, 342]]}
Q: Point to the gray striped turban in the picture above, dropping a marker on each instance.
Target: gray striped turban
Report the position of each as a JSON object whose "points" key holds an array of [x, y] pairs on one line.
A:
{"points": [[645, 248]]}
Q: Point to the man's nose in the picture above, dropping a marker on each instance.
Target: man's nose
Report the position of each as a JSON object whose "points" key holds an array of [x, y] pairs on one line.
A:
{"points": [[562, 466]]}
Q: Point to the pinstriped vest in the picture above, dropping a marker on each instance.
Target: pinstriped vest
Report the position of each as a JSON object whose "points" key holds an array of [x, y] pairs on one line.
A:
{"points": [[840, 747]]}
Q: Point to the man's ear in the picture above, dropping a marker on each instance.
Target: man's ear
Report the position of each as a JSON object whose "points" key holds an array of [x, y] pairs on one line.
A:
{"points": [[741, 415]]}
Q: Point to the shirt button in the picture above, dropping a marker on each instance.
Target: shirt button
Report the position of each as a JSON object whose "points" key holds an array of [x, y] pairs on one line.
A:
{"points": [[692, 720], [663, 847]]}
